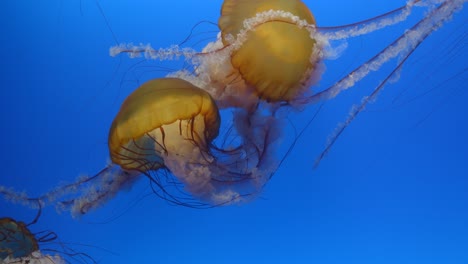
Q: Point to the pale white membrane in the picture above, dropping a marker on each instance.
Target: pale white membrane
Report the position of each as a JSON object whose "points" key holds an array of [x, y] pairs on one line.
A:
{"points": [[35, 258]]}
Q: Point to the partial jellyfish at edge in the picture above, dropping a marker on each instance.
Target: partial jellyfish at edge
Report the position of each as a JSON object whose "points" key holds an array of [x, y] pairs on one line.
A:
{"points": [[19, 244]]}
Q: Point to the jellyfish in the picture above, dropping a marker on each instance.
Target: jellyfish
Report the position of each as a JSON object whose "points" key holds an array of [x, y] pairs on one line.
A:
{"points": [[168, 125], [265, 61], [18, 244], [273, 51], [165, 131], [165, 120], [23, 243]]}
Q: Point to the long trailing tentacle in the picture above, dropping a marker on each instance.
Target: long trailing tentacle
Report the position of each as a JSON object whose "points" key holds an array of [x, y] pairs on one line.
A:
{"points": [[415, 36]]}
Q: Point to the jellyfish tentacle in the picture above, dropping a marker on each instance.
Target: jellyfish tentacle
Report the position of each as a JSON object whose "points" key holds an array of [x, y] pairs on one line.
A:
{"points": [[401, 46], [38, 215], [47, 237], [369, 25], [423, 29], [105, 186]]}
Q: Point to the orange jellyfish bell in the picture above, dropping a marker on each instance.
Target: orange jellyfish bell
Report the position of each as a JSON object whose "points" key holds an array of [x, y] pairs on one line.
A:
{"points": [[277, 57], [163, 116], [164, 122]]}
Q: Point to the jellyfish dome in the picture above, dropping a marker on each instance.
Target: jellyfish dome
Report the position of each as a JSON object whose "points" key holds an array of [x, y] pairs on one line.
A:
{"points": [[164, 120], [277, 57], [164, 117], [169, 124]]}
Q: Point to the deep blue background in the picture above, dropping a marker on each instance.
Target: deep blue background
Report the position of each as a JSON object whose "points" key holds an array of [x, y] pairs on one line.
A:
{"points": [[392, 190]]}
